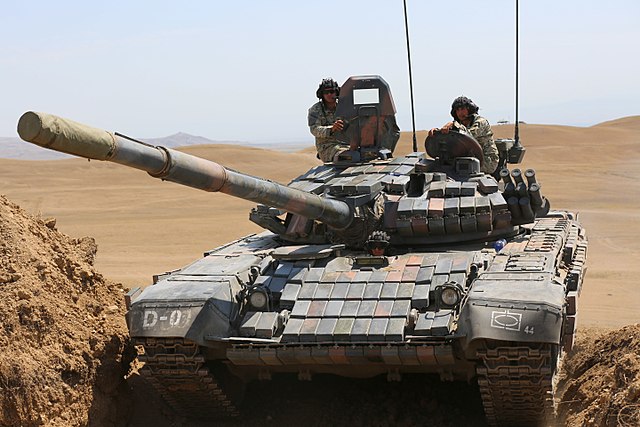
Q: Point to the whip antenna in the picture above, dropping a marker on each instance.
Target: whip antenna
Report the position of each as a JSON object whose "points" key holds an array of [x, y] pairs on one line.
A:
{"points": [[413, 116], [515, 153], [516, 136]]}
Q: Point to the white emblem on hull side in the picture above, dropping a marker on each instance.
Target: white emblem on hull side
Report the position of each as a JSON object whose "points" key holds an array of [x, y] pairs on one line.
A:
{"points": [[505, 319]]}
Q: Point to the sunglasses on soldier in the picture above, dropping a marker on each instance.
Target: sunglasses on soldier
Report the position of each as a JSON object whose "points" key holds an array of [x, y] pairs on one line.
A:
{"points": [[376, 245]]}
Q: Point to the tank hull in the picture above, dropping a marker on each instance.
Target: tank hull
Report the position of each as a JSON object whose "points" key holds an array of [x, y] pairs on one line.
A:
{"points": [[347, 313]]}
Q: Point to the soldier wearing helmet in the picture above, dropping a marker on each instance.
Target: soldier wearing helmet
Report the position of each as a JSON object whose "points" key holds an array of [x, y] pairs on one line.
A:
{"points": [[465, 115], [322, 122], [377, 243]]}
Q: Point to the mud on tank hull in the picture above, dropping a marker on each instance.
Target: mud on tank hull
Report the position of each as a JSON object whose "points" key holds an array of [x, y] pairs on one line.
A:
{"points": [[331, 310]]}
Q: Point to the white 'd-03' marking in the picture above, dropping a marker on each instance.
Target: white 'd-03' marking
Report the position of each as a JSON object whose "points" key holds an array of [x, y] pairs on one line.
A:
{"points": [[506, 320], [176, 319]]}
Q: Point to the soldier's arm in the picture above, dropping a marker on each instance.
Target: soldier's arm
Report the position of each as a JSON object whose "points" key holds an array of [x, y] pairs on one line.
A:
{"points": [[481, 130], [491, 156], [315, 125]]}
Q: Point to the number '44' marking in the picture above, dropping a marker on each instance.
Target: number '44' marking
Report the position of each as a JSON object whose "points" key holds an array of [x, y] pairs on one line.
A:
{"points": [[528, 330]]}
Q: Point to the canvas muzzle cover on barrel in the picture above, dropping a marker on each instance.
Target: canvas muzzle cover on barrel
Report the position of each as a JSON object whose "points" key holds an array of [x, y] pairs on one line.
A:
{"points": [[65, 135]]}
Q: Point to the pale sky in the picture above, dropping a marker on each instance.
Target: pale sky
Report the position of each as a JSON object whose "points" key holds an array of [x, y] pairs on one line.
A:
{"points": [[248, 70]]}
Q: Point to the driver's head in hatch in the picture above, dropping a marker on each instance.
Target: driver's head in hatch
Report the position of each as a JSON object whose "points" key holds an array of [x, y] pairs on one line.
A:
{"points": [[377, 243]]}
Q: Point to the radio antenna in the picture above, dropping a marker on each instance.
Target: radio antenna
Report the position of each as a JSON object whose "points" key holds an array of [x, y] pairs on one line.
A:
{"points": [[515, 153], [413, 116], [516, 136]]}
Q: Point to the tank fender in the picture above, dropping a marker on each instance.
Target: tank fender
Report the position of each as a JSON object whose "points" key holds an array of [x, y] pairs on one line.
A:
{"points": [[192, 310], [529, 310]]}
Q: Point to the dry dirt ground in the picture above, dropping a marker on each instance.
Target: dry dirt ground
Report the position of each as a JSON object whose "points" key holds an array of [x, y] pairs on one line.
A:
{"points": [[65, 349]]}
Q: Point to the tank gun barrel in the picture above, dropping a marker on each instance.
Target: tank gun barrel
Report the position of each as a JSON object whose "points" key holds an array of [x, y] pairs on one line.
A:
{"points": [[80, 140]]}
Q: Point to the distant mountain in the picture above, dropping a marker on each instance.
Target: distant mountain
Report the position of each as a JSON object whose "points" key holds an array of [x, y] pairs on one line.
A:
{"points": [[182, 139], [15, 148]]}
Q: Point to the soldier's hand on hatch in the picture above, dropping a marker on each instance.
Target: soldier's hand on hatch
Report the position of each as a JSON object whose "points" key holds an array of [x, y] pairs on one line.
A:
{"points": [[337, 126], [432, 131], [445, 128]]}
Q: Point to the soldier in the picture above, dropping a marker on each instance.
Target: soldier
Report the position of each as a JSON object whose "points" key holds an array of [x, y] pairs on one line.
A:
{"points": [[322, 122], [465, 116], [377, 243]]}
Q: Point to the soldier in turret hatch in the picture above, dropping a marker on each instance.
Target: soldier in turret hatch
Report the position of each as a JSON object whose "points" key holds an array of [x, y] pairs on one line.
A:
{"points": [[465, 116], [377, 243], [322, 122]]}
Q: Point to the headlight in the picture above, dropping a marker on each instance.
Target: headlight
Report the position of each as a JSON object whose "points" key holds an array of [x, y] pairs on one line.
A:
{"points": [[450, 296], [258, 298]]}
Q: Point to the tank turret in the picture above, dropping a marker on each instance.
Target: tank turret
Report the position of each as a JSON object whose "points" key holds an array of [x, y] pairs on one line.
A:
{"points": [[417, 199]]}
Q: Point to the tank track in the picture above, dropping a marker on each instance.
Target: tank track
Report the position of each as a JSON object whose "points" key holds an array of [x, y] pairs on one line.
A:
{"points": [[516, 383], [176, 369]]}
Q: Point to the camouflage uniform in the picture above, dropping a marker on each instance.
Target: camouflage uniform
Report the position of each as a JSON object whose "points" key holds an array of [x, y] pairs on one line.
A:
{"points": [[481, 131], [320, 122]]}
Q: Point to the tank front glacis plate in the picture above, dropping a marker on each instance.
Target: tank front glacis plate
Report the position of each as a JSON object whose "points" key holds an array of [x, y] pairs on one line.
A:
{"points": [[341, 310], [341, 300]]}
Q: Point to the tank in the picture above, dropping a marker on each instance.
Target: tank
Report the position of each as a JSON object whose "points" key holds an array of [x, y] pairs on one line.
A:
{"points": [[370, 265]]}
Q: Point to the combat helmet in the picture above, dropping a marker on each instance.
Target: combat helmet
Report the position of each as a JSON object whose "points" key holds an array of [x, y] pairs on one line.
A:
{"points": [[463, 101], [377, 239], [325, 84]]}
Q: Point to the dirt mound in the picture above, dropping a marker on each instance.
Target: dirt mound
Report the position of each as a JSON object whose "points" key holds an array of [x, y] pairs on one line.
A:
{"points": [[63, 333], [600, 381]]}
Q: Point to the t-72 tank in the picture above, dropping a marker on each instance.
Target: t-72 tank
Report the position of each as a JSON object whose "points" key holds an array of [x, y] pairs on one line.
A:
{"points": [[370, 265]]}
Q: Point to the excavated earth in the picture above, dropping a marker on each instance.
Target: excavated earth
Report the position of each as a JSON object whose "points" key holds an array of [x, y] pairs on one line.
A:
{"points": [[64, 342], [66, 360]]}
